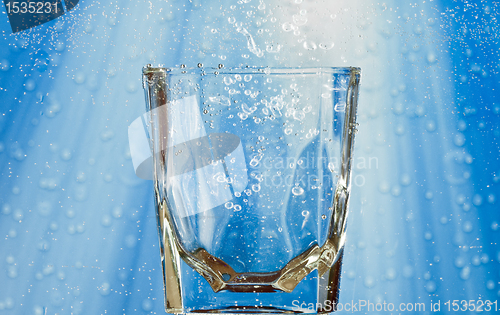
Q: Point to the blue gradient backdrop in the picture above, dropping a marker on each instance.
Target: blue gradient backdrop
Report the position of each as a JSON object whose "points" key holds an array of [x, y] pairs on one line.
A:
{"points": [[77, 227]]}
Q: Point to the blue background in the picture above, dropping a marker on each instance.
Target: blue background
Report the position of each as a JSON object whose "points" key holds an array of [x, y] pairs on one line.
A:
{"points": [[78, 229]]}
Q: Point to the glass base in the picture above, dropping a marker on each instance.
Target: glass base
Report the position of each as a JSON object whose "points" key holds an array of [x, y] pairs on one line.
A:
{"points": [[313, 295]]}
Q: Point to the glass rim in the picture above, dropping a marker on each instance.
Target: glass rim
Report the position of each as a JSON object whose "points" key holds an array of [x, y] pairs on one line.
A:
{"points": [[159, 70]]}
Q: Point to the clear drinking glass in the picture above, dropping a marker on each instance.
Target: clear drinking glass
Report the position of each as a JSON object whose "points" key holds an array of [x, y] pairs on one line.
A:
{"points": [[251, 171]]}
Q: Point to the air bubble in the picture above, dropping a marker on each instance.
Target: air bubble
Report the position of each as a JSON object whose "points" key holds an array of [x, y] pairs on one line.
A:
{"points": [[228, 205], [309, 45], [326, 46], [299, 19], [287, 27], [237, 208], [297, 190]]}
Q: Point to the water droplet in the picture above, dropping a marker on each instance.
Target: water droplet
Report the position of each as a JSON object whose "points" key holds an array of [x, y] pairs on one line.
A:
{"points": [[106, 220], [297, 190], [70, 213], [465, 273], [431, 57], [12, 233], [390, 274], [147, 305], [405, 180], [430, 286], [459, 140], [430, 126], [53, 226], [467, 226], [407, 271], [369, 282], [477, 200], [18, 215], [485, 258], [66, 154], [459, 262], [107, 135], [10, 259], [490, 284], [79, 78], [105, 289], [81, 177], [494, 226], [12, 272], [29, 85], [384, 187], [117, 212], [44, 208], [130, 241], [131, 87], [16, 190], [43, 245], [428, 236], [4, 65]]}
